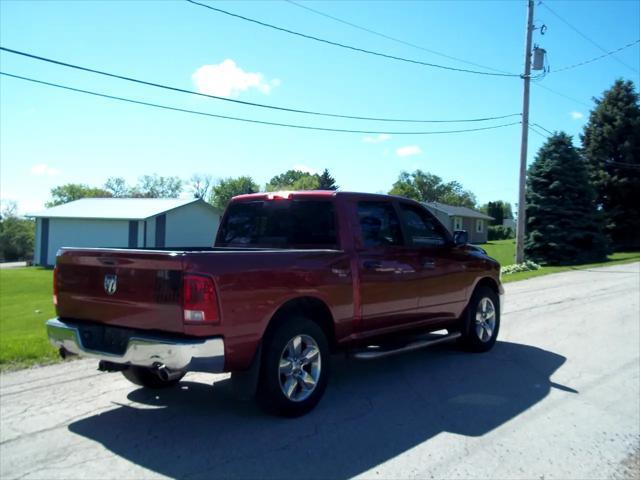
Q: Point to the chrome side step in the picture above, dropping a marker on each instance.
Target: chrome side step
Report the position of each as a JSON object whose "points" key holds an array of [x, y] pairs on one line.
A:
{"points": [[372, 352]]}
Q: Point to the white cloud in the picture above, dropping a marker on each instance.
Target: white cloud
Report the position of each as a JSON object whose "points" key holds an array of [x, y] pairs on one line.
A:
{"points": [[305, 169], [227, 79], [408, 151], [41, 169], [576, 115], [383, 137]]}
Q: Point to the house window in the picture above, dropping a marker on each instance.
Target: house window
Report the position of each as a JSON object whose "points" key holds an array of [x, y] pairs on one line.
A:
{"points": [[457, 223], [479, 226]]}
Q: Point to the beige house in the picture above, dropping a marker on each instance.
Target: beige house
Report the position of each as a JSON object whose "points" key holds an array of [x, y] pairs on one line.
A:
{"points": [[462, 218]]}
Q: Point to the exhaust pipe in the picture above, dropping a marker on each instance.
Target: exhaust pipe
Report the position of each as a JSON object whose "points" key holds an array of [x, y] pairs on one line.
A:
{"points": [[105, 366], [167, 374]]}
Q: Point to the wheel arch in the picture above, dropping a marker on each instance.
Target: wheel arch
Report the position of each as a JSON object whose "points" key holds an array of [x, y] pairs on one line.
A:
{"points": [[487, 282], [308, 306]]}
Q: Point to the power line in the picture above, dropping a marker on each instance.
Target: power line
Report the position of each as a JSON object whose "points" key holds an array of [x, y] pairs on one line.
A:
{"points": [[563, 95], [247, 120], [591, 60], [536, 131], [588, 39], [393, 39], [242, 102], [350, 47], [542, 128]]}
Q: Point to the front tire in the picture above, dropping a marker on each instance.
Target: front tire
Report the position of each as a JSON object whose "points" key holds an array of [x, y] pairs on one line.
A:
{"points": [[481, 321], [295, 368], [146, 377]]}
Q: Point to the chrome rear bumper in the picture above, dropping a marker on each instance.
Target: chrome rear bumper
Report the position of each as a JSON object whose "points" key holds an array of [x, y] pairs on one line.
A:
{"points": [[206, 355]]}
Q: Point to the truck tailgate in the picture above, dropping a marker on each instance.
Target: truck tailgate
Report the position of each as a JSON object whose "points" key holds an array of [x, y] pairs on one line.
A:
{"points": [[127, 288]]}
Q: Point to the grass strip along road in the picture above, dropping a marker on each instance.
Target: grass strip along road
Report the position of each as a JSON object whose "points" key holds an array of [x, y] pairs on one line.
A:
{"points": [[26, 303]]}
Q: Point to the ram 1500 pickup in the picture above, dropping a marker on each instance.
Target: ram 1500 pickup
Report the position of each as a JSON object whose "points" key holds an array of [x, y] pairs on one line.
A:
{"points": [[292, 278]]}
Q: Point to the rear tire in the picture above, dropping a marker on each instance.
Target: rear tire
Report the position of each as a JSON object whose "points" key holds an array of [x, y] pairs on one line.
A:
{"points": [[295, 368], [147, 377], [481, 321]]}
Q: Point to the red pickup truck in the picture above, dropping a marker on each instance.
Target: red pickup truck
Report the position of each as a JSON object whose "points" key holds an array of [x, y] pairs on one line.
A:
{"points": [[292, 278]]}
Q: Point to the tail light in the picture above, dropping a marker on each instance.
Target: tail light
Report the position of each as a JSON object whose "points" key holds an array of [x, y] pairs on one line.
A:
{"points": [[199, 300], [55, 286]]}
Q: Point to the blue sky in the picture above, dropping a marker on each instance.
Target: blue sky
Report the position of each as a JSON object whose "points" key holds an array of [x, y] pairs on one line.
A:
{"points": [[50, 137]]}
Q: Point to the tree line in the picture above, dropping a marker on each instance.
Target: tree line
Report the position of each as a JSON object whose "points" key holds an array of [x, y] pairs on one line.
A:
{"points": [[581, 202]]}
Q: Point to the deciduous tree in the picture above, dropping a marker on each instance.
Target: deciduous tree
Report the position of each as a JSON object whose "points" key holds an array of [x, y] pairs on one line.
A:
{"points": [[293, 180], [427, 187], [16, 234], [225, 189], [75, 191]]}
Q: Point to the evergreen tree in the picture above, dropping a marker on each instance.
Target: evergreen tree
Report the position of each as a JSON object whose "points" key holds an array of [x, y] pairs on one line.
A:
{"points": [[611, 146], [563, 224], [327, 182]]}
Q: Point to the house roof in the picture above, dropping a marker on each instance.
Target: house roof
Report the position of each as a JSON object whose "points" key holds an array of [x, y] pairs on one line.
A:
{"points": [[115, 208], [457, 211]]}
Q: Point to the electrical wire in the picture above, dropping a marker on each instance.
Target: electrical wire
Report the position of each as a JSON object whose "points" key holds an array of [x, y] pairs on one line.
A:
{"points": [[539, 133], [591, 60], [563, 95], [350, 47], [588, 39], [248, 120], [542, 128], [393, 39], [242, 102]]}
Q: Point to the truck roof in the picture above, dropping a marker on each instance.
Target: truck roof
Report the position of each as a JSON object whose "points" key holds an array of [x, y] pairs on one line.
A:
{"points": [[289, 194]]}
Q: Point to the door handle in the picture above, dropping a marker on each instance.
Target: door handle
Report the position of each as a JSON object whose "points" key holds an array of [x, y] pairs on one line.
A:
{"points": [[371, 265], [428, 263]]}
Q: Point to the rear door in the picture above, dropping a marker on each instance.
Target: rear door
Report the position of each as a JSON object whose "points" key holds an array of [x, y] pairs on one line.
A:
{"points": [[135, 289], [387, 269]]}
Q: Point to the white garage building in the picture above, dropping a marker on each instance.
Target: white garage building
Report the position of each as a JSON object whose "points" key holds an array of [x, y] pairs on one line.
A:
{"points": [[124, 222]]}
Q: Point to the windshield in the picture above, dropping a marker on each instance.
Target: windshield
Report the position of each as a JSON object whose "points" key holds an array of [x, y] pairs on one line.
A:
{"points": [[279, 224]]}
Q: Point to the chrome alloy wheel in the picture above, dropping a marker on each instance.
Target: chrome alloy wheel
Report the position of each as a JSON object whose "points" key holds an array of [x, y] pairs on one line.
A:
{"points": [[299, 370], [485, 319]]}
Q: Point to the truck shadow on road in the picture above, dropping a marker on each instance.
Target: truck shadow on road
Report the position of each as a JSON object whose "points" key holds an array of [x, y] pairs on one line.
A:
{"points": [[372, 412]]}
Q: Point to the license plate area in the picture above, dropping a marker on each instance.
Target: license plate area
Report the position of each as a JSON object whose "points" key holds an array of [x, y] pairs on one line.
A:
{"points": [[101, 338]]}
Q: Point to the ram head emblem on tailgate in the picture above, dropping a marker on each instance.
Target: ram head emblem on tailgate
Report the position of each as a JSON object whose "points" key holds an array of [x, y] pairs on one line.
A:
{"points": [[110, 284]]}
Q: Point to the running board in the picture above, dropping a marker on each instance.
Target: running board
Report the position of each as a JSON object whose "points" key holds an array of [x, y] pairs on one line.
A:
{"points": [[371, 353]]}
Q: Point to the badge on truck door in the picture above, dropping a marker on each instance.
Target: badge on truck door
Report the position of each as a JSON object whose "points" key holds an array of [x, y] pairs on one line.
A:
{"points": [[110, 284]]}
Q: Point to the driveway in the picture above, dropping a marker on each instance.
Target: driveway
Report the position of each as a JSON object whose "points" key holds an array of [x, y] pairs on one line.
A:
{"points": [[558, 397]]}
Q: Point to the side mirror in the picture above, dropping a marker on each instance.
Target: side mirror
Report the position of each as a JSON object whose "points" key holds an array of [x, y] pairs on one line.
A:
{"points": [[460, 237]]}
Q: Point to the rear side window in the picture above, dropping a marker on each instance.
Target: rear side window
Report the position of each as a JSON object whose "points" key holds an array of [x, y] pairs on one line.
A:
{"points": [[279, 224], [422, 229], [379, 224]]}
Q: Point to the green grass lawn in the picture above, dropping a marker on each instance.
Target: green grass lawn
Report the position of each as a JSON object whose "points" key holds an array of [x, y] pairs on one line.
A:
{"points": [[504, 252], [25, 304]]}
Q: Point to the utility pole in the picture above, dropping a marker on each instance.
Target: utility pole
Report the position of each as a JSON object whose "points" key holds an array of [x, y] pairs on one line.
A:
{"points": [[525, 137]]}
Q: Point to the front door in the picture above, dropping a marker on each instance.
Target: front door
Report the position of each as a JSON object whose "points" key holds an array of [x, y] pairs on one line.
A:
{"points": [[442, 277]]}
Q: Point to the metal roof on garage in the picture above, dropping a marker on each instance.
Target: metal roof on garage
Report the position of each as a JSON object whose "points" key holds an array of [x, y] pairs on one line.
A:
{"points": [[453, 211], [116, 208]]}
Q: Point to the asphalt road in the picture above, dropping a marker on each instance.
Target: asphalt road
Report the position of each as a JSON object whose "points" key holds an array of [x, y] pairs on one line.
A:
{"points": [[558, 397]]}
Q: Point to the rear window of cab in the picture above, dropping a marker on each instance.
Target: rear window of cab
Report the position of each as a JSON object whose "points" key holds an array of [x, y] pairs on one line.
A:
{"points": [[279, 224]]}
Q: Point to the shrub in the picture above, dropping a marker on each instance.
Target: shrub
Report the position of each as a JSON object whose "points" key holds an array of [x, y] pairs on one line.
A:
{"points": [[499, 232], [520, 267]]}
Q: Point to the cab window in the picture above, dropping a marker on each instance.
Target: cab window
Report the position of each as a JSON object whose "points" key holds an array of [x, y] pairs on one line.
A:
{"points": [[422, 229], [379, 224]]}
